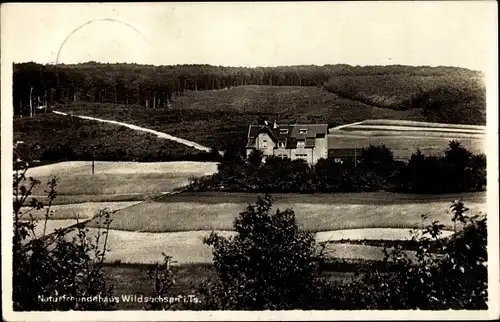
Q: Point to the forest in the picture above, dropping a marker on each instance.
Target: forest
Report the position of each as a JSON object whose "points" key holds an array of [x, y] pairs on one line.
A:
{"points": [[157, 86]]}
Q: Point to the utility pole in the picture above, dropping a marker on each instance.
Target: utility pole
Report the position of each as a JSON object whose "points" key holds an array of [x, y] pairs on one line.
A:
{"points": [[93, 159], [355, 159], [31, 102]]}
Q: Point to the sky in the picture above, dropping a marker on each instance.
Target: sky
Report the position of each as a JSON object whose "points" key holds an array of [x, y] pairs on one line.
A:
{"points": [[255, 34]]}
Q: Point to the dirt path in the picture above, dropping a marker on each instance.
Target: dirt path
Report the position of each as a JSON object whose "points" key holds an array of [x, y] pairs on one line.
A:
{"points": [[138, 128]]}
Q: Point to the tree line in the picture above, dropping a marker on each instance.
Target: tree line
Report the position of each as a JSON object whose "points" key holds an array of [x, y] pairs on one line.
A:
{"points": [[156, 86], [458, 170]]}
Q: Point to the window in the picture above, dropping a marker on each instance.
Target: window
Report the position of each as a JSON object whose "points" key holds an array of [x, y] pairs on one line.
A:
{"points": [[301, 144], [264, 143], [283, 131], [281, 144], [302, 156], [302, 131]]}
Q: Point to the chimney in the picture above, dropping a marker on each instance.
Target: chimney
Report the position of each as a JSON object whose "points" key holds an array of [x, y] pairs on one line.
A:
{"points": [[275, 126]]}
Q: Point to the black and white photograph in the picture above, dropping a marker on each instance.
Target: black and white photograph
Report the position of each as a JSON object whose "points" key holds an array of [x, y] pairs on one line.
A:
{"points": [[249, 160]]}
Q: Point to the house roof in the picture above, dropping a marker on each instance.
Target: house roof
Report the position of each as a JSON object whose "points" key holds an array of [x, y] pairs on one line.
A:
{"points": [[294, 133]]}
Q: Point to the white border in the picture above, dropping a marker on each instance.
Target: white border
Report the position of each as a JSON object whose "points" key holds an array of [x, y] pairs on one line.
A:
{"points": [[493, 221]]}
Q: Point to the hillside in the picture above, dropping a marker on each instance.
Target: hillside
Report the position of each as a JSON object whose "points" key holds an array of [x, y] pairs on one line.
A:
{"points": [[220, 118], [50, 137], [213, 105], [454, 96], [459, 92]]}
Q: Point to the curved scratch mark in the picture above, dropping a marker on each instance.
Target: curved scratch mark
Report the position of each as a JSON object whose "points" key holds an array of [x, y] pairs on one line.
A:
{"points": [[92, 21]]}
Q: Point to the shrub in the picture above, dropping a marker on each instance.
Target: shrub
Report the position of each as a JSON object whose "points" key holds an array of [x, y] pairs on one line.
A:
{"points": [[270, 264], [457, 171], [51, 271], [442, 274]]}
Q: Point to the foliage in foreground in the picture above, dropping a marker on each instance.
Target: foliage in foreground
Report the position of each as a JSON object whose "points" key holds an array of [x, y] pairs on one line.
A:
{"points": [[272, 264], [51, 271], [440, 274]]}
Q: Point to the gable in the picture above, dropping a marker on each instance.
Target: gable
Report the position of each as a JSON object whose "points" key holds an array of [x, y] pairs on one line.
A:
{"points": [[288, 133]]}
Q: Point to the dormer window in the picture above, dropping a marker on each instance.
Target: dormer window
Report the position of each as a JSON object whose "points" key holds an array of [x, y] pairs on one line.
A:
{"points": [[281, 144], [264, 143], [302, 131], [283, 131]]}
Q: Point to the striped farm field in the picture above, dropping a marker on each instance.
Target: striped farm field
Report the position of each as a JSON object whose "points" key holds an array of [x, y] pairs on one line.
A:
{"points": [[188, 247], [405, 137], [404, 146], [423, 124]]}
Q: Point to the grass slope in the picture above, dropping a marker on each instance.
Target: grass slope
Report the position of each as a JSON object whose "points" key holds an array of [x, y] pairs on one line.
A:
{"points": [[218, 118], [56, 137]]}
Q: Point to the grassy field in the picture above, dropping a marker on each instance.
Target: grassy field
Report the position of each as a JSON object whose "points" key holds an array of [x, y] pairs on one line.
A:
{"points": [[193, 214], [116, 181], [51, 137], [80, 211], [215, 118], [368, 198], [424, 124], [405, 137], [188, 248], [116, 184], [102, 167], [402, 146]]}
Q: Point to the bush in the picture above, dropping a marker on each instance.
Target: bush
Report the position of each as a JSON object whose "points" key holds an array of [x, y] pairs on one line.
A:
{"points": [[443, 273], [376, 170], [457, 171], [270, 264], [51, 271]]}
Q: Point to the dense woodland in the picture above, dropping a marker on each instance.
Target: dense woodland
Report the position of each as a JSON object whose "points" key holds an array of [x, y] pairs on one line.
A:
{"points": [[157, 86]]}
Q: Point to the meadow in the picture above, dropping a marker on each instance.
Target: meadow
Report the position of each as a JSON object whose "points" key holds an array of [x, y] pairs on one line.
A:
{"points": [[403, 145], [427, 125], [404, 138], [188, 248], [116, 181], [221, 117], [196, 214], [77, 211]]}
